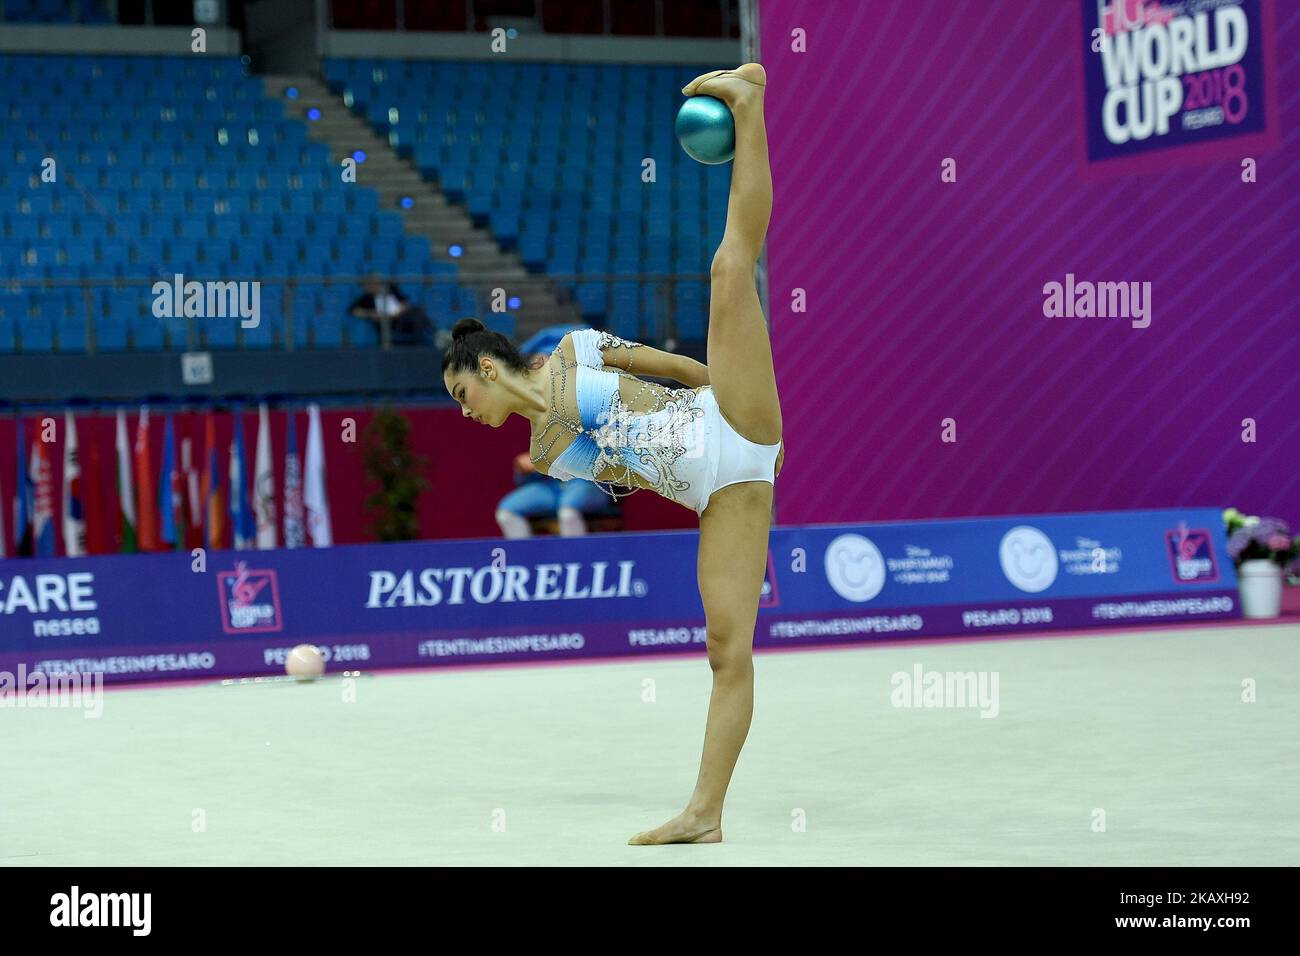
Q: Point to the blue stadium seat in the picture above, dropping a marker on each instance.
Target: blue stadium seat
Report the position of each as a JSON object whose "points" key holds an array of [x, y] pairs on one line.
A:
{"points": [[71, 330], [267, 333], [306, 302], [464, 300], [592, 299], [505, 323], [327, 330], [691, 310], [436, 299], [36, 333], [388, 224], [146, 327], [110, 333], [218, 332], [362, 332], [337, 300]]}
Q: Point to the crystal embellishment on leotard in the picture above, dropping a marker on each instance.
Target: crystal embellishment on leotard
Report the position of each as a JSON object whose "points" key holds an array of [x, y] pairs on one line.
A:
{"points": [[608, 339], [620, 440], [668, 444], [606, 436]]}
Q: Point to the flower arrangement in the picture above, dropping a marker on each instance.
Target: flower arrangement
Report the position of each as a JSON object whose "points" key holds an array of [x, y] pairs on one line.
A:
{"points": [[1251, 538]]}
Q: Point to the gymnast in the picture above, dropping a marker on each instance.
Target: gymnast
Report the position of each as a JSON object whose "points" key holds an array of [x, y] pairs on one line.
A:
{"points": [[713, 446]]}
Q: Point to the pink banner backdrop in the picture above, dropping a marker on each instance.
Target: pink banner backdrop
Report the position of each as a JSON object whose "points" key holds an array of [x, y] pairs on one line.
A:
{"points": [[925, 298]]}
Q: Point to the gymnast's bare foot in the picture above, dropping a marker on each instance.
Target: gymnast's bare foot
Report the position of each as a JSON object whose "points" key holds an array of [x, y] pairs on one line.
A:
{"points": [[684, 828], [733, 87]]}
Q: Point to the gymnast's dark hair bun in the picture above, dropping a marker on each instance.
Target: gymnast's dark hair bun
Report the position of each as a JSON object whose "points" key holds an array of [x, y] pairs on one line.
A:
{"points": [[470, 339], [466, 327]]}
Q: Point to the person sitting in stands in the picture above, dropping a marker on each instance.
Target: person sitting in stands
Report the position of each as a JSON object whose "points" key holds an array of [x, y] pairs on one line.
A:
{"points": [[410, 324]]}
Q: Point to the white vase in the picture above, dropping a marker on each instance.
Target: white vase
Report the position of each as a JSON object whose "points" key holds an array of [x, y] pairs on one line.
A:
{"points": [[1260, 581]]}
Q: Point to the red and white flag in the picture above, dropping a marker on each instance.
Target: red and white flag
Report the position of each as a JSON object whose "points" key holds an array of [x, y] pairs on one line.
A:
{"points": [[264, 483], [74, 514], [314, 496]]}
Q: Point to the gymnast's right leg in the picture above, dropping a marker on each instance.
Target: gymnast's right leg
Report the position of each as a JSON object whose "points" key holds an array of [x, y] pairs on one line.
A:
{"points": [[734, 527]]}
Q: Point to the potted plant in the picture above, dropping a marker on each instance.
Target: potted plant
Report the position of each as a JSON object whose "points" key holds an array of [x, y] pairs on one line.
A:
{"points": [[398, 473], [1261, 548]]}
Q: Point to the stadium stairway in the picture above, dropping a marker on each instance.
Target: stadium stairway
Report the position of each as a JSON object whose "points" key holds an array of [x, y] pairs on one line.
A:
{"points": [[483, 265]]}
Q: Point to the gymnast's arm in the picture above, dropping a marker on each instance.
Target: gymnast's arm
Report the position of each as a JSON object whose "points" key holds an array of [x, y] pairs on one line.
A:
{"points": [[645, 360]]}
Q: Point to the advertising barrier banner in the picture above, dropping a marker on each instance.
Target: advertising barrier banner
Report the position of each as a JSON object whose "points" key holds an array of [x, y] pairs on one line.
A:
{"points": [[164, 616]]}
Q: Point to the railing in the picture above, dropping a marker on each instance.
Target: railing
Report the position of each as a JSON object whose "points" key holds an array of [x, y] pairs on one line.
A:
{"points": [[287, 285], [148, 13], [395, 12], [659, 323]]}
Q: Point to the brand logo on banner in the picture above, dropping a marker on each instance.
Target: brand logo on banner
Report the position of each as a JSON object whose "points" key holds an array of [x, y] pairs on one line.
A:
{"points": [[1028, 558], [486, 584], [1168, 73], [250, 600], [855, 568], [921, 565], [1091, 556], [1191, 555]]}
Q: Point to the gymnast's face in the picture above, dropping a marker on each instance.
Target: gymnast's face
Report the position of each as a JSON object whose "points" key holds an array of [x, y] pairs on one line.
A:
{"points": [[480, 399]]}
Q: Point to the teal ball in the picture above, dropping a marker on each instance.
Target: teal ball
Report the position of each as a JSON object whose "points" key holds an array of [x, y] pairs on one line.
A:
{"points": [[706, 130]]}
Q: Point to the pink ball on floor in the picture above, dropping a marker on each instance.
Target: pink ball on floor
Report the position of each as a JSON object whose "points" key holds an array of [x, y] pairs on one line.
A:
{"points": [[305, 662]]}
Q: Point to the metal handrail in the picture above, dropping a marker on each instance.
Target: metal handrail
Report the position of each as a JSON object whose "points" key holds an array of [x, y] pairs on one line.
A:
{"points": [[661, 327]]}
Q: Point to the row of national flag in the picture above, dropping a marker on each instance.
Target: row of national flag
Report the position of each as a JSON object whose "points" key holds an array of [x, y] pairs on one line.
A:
{"points": [[187, 503]]}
